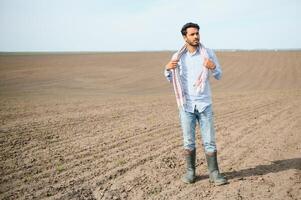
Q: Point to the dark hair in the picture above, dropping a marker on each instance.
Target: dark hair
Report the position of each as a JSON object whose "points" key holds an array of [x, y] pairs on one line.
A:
{"points": [[189, 25]]}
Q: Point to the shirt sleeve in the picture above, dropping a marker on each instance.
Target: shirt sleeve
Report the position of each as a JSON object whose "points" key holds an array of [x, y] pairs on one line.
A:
{"points": [[168, 73], [217, 72]]}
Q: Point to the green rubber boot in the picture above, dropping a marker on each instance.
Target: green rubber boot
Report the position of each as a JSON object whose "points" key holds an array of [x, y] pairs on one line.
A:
{"points": [[214, 174], [189, 177]]}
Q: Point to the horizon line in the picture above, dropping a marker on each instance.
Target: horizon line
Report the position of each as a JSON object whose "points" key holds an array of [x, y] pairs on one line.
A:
{"points": [[137, 51]]}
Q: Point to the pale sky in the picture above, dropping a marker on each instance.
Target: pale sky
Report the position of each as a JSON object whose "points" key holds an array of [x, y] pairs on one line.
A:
{"points": [[147, 25]]}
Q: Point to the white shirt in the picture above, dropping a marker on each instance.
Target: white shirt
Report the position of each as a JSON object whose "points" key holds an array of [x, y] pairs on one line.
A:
{"points": [[190, 67]]}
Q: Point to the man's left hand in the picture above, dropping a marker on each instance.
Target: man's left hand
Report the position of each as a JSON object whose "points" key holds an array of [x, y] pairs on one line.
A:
{"points": [[209, 64]]}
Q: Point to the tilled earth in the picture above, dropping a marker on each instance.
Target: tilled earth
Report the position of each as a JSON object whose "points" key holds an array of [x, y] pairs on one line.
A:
{"points": [[77, 127]]}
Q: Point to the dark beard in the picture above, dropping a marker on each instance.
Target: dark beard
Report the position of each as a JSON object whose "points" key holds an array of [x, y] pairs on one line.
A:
{"points": [[193, 44]]}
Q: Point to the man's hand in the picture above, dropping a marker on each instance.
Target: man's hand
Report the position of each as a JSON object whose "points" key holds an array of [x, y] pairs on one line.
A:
{"points": [[172, 64], [209, 64]]}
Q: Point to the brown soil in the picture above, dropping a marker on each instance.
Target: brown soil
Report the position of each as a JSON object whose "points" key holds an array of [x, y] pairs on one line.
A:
{"points": [[105, 126]]}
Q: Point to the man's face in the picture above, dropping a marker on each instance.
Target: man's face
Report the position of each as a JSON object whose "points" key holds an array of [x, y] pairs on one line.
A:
{"points": [[192, 37]]}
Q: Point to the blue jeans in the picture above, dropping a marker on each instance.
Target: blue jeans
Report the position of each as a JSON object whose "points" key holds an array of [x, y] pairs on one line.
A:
{"points": [[188, 123]]}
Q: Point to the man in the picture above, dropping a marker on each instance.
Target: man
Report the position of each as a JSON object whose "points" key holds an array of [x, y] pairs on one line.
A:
{"points": [[189, 71]]}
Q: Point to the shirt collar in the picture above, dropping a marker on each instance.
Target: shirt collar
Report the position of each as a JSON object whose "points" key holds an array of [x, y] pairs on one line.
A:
{"points": [[195, 52]]}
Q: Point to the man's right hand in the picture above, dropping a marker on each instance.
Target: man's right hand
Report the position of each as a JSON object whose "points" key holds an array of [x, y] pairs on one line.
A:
{"points": [[172, 64]]}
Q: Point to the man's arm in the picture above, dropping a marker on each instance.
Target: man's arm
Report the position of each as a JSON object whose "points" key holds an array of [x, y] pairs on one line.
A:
{"points": [[214, 65], [168, 75], [169, 66]]}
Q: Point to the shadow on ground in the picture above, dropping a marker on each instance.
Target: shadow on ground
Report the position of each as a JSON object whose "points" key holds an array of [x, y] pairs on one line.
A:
{"points": [[276, 166]]}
